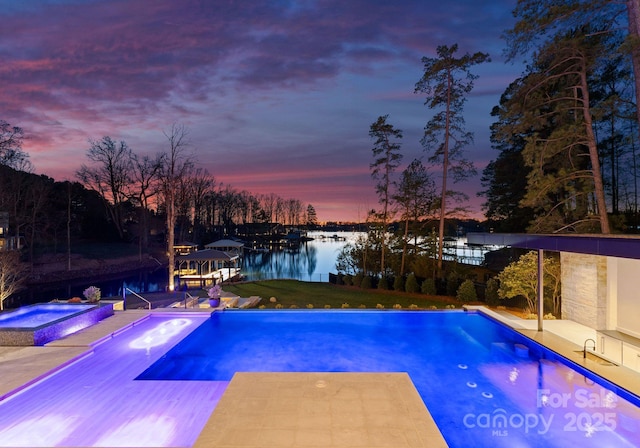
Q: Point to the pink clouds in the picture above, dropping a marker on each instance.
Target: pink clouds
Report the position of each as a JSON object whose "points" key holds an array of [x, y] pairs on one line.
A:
{"points": [[283, 88]]}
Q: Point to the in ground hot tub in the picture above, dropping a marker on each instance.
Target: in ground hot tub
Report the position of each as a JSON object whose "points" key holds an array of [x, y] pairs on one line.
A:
{"points": [[46, 322]]}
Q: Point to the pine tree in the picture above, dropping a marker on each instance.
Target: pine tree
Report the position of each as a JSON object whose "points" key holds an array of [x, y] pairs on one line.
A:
{"points": [[446, 81], [387, 157]]}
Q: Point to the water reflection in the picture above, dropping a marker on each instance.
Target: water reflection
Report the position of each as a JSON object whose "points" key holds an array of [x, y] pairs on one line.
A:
{"points": [[297, 262], [308, 261]]}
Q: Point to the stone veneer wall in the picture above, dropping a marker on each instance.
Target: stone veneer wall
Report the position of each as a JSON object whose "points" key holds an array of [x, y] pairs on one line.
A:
{"points": [[584, 289]]}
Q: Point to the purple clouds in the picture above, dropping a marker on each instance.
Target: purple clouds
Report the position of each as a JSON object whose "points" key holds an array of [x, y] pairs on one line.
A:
{"points": [[291, 86]]}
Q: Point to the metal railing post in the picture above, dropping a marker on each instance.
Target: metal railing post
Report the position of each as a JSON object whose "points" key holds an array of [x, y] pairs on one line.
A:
{"points": [[139, 296]]}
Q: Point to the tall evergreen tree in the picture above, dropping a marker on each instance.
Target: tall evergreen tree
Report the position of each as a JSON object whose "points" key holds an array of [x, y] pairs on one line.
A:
{"points": [[387, 157], [416, 195], [312, 216], [540, 21], [565, 184], [614, 122], [505, 178], [446, 81]]}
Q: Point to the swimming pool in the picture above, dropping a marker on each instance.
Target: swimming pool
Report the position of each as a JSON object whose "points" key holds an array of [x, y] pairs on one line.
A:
{"points": [[484, 384], [45, 322]]}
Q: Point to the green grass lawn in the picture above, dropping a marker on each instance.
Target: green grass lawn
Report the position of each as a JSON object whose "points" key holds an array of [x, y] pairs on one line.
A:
{"points": [[293, 293]]}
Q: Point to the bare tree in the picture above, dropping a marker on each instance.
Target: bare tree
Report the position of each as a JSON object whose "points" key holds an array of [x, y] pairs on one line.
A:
{"points": [[184, 206], [37, 196], [11, 154], [11, 274], [145, 176], [294, 211], [202, 185], [177, 162], [269, 205], [110, 176]]}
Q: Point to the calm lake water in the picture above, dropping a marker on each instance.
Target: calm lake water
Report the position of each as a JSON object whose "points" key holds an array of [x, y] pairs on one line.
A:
{"points": [[309, 261]]}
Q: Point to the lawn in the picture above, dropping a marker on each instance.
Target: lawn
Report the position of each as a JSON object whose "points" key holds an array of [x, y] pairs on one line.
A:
{"points": [[294, 293]]}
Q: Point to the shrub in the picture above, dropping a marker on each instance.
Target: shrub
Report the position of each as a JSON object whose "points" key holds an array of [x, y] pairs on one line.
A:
{"points": [[453, 283], [357, 279], [397, 306], [366, 283], [429, 287], [345, 305], [383, 283], [467, 292], [92, 294], [491, 296], [398, 283], [348, 279], [326, 307], [413, 306], [362, 306], [310, 306], [379, 306], [411, 284]]}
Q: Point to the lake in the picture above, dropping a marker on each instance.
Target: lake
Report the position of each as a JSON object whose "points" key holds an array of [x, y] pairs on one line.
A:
{"points": [[309, 261]]}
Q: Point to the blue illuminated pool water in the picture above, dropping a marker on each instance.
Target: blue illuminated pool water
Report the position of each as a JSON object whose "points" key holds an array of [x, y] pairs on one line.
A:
{"points": [[484, 384], [41, 314]]}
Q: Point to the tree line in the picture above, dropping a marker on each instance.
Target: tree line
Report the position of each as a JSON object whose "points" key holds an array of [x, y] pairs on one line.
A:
{"points": [[567, 129], [413, 196], [123, 196], [566, 132]]}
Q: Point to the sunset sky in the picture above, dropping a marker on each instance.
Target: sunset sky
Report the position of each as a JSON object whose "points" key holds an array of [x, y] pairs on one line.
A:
{"points": [[278, 96]]}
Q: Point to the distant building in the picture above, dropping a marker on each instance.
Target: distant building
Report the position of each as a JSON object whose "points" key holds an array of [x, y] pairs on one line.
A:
{"points": [[185, 248], [226, 245], [8, 242]]}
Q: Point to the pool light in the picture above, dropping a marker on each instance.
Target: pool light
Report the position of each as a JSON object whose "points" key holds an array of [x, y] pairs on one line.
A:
{"points": [[161, 334]]}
